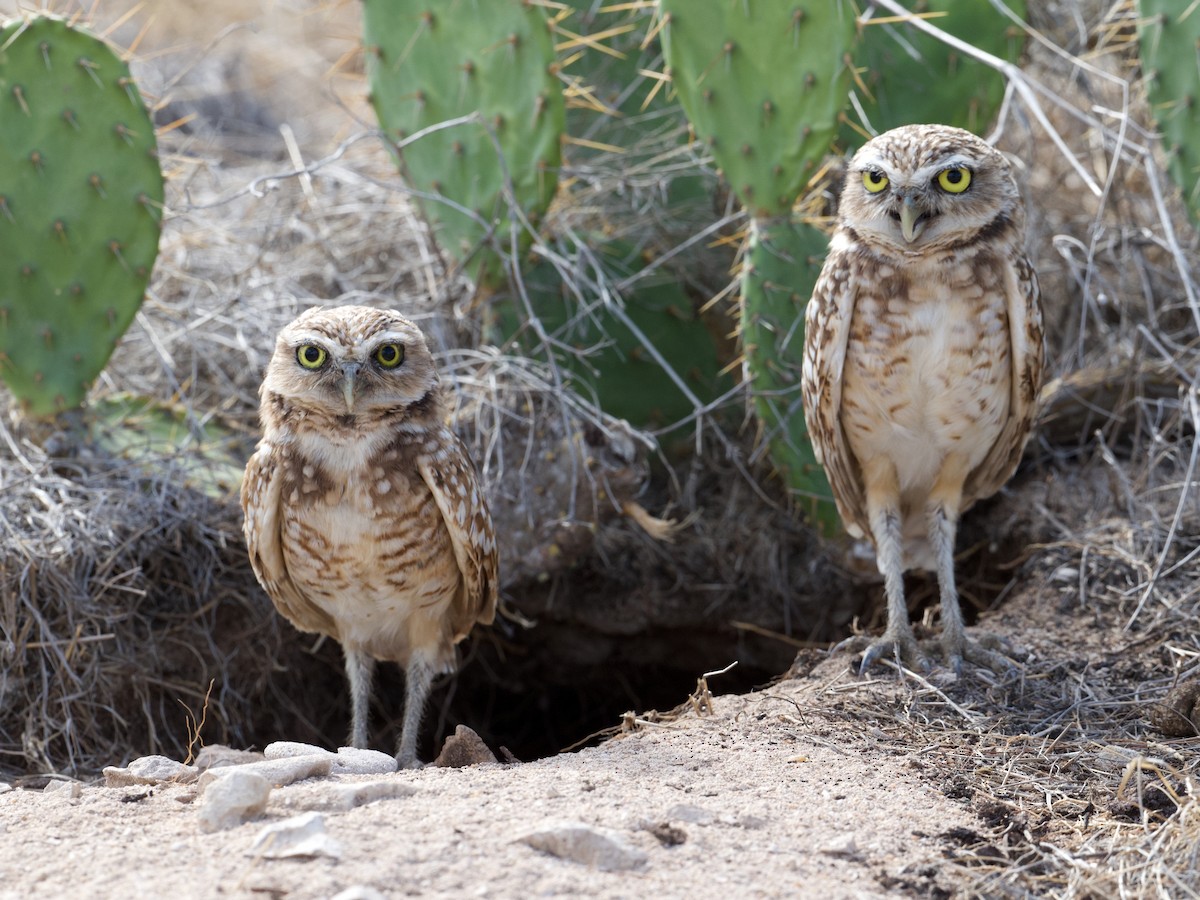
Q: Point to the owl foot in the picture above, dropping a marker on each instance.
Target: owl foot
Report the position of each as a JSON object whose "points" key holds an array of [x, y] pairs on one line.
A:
{"points": [[891, 644], [990, 652], [408, 761]]}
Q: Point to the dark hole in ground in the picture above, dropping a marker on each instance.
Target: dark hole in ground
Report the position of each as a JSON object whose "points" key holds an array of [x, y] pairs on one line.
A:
{"points": [[542, 690]]}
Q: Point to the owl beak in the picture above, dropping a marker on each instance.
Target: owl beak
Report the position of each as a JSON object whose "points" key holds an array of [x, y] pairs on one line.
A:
{"points": [[349, 374], [912, 221]]}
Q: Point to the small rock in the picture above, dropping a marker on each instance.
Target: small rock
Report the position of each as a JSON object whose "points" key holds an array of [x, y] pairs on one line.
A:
{"points": [[350, 796], [682, 812], [353, 761], [71, 789], [150, 770], [302, 835], [278, 772], [216, 756], [359, 892], [5, 787], [464, 748], [842, 845], [599, 848], [289, 749], [233, 798]]}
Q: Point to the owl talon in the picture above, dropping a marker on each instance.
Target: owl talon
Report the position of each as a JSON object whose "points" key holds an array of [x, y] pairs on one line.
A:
{"points": [[905, 646]]}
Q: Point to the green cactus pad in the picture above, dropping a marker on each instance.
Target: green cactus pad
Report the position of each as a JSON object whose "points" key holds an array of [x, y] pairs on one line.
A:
{"points": [[429, 62], [762, 84], [81, 197], [1168, 36], [783, 260], [910, 76]]}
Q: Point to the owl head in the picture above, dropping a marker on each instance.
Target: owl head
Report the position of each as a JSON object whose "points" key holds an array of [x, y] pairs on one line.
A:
{"points": [[927, 187], [351, 360]]}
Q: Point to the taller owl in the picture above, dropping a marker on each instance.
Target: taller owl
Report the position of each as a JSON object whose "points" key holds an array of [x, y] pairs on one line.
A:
{"points": [[922, 359], [364, 515]]}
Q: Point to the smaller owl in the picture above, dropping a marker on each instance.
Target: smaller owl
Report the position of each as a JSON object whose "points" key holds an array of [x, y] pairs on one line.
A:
{"points": [[922, 358], [364, 516]]}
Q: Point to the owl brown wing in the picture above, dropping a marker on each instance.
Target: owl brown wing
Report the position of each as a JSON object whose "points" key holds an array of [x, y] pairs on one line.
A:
{"points": [[826, 336], [448, 471], [262, 505], [1027, 360]]}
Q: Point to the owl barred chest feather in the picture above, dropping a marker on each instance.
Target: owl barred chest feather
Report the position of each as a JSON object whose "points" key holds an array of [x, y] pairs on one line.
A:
{"points": [[928, 372], [370, 565]]}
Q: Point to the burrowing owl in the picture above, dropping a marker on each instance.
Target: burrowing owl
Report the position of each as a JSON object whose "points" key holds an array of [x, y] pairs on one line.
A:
{"points": [[365, 519], [922, 358]]}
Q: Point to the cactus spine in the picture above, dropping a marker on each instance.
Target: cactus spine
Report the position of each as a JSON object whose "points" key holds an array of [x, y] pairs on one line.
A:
{"points": [[431, 62], [81, 196]]}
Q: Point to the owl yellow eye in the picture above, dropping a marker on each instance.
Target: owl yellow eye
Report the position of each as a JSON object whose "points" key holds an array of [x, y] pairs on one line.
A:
{"points": [[874, 181], [954, 181], [310, 356], [390, 355]]}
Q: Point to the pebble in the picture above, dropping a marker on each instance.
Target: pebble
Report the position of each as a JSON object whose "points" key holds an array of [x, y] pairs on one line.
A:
{"points": [[230, 800], [350, 796], [359, 892], [464, 748], [302, 835], [70, 789], [694, 815], [347, 760], [5, 787], [150, 770], [599, 848], [841, 845], [278, 772], [216, 756]]}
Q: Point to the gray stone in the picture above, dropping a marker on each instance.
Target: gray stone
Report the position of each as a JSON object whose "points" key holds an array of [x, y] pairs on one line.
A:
{"points": [[232, 799], [278, 772], [289, 749], [150, 770], [359, 892], [695, 815], [840, 845], [349, 796], [302, 835], [72, 790], [599, 848], [216, 756], [353, 761]]}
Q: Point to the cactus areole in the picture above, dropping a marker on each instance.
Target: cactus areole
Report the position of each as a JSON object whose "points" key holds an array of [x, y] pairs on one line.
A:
{"points": [[81, 197]]}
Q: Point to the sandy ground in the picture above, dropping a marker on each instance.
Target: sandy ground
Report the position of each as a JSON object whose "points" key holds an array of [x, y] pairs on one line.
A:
{"points": [[772, 794]]}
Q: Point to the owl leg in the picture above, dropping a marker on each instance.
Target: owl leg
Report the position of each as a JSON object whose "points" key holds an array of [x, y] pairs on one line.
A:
{"points": [[883, 511], [360, 669], [418, 677], [945, 501]]}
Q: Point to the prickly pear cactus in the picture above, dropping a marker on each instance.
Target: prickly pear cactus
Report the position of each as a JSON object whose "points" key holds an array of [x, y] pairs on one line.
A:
{"points": [[910, 76], [783, 260], [81, 196], [1168, 34], [762, 84], [430, 61]]}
